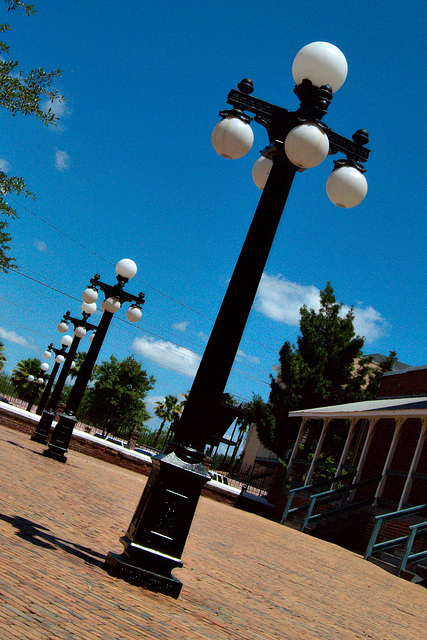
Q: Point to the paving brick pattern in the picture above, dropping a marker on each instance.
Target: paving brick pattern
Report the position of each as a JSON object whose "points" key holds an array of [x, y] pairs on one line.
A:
{"points": [[244, 577]]}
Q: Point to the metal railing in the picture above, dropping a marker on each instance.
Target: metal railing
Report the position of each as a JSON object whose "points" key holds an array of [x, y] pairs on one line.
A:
{"points": [[309, 488], [406, 541], [409, 557], [333, 495]]}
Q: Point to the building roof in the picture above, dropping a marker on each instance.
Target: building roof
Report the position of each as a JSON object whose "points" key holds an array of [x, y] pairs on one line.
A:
{"points": [[379, 358], [413, 406], [421, 367]]}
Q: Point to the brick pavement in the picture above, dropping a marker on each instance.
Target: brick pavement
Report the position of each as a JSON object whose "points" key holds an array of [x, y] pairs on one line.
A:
{"points": [[244, 577]]}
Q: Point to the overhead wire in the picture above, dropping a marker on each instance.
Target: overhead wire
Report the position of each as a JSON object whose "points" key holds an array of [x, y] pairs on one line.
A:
{"points": [[190, 354], [145, 284]]}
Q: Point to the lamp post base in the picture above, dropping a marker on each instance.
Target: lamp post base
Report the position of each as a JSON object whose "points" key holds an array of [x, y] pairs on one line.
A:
{"points": [[61, 436], [116, 565], [42, 431], [55, 455], [157, 534]]}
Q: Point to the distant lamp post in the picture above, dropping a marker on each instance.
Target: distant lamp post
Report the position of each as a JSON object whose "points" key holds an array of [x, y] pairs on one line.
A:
{"points": [[81, 326], [38, 383], [115, 296], [157, 533], [65, 342]]}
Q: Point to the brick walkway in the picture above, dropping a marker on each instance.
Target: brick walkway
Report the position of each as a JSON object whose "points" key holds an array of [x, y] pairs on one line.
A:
{"points": [[244, 577]]}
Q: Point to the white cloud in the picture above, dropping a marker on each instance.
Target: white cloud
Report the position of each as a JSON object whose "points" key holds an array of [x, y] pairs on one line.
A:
{"points": [[181, 326], [4, 165], [41, 245], [368, 323], [244, 356], [12, 336], [167, 354], [281, 300], [62, 160]]}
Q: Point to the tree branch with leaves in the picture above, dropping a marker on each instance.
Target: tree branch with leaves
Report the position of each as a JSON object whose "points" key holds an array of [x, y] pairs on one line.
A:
{"points": [[25, 94]]}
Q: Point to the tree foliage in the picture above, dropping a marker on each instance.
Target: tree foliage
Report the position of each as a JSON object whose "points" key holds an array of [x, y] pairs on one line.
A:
{"points": [[116, 401], [326, 367], [25, 94], [20, 373], [168, 410]]}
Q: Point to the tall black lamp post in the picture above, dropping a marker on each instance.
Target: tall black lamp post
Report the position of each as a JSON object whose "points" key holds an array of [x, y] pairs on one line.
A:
{"points": [[38, 382], [115, 296], [59, 358], [81, 326], [156, 536]]}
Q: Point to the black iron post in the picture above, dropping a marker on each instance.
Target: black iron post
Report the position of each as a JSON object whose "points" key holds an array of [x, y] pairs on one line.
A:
{"points": [[42, 431], [45, 395], [35, 390], [156, 536], [61, 436]]}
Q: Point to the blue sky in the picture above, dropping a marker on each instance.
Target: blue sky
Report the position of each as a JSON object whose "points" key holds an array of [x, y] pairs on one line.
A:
{"points": [[130, 172]]}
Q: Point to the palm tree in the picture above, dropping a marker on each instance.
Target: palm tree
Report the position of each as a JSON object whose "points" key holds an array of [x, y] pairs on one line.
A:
{"points": [[167, 411], [78, 359], [2, 356], [24, 368]]}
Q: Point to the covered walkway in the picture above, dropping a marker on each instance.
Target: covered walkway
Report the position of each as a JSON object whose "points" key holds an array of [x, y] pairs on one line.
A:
{"points": [[384, 437]]}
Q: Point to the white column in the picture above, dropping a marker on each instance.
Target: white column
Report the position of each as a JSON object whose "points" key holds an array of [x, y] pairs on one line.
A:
{"points": [[296, 446], [415, 460], [326, 422], [397, 432], [353, 423], [372, 422]]}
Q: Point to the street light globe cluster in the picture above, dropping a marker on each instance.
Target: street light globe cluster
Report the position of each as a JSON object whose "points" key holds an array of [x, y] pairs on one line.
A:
{"points": [[306, 145], [126, 269]]}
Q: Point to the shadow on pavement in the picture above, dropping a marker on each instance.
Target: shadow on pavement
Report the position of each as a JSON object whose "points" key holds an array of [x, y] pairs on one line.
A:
{"points": [[40, 537]]}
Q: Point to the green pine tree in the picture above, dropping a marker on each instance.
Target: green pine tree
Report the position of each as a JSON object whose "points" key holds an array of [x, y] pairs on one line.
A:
{"points": [[326, 367]]}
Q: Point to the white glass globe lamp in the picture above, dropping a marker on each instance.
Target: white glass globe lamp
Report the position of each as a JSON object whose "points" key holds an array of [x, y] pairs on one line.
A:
{"points": [[261, 171], [90, 295], [321, 63], [306, 145], [232, 138], [62, 327], [134, 313], [66, 341], [88, 307], [346, 187], [40, 381], [112, 304], [79, 332], [30, 378], [46, 355], [59, 358], [126, 268], [44, 366], [92, 335], [73, 365]]}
